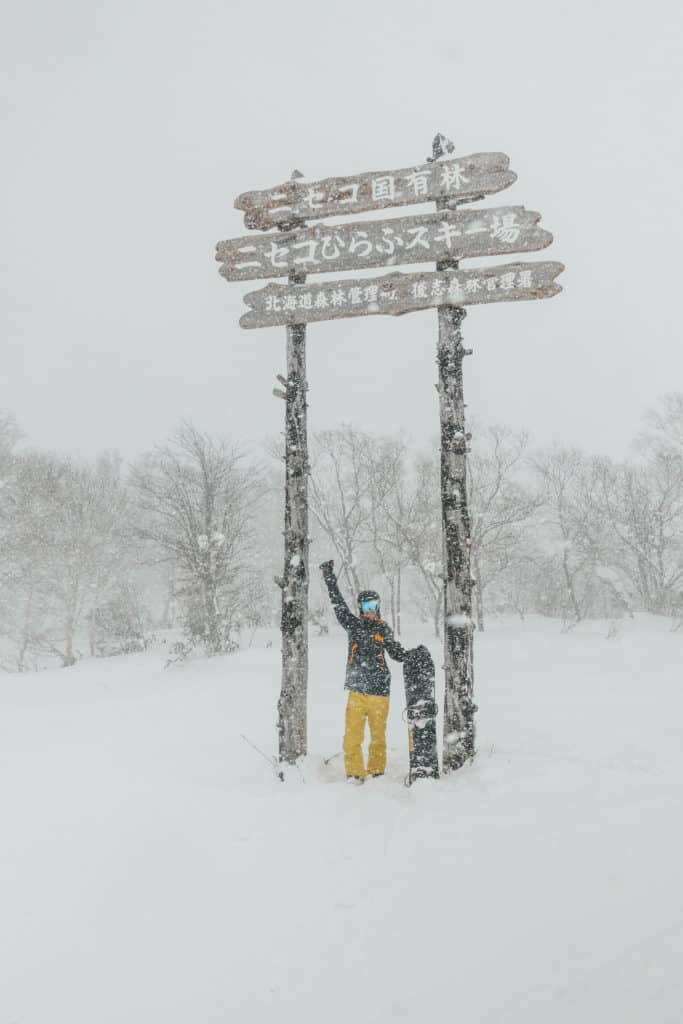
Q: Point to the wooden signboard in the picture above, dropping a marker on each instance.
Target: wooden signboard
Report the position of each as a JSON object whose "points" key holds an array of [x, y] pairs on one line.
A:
{"points": [[301, 248], [425, 238], [468, 177], [395, 294]]}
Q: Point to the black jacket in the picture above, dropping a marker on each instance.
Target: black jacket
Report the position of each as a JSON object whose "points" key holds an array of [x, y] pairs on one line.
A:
{"points": [[366, 667]]}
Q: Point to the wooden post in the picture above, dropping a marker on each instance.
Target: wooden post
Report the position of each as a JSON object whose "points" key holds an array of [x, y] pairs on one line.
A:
{"points": [[292, 705], [459, 708]]}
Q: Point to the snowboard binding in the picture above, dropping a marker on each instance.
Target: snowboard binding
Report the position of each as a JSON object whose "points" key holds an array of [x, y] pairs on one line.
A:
{"points": [[421, 713]]}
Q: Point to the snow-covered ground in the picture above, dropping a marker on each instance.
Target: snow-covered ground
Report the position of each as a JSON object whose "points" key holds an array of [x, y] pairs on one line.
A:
{"points": [[153, 868]]}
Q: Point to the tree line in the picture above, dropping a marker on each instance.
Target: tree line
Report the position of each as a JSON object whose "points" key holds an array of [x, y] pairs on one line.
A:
{"points": [[96, 557], [554, 531]]}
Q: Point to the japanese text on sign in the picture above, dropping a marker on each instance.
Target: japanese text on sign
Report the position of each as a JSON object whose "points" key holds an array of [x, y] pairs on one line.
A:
{"points": [[424, 238], [397, 293], [466, 177]]}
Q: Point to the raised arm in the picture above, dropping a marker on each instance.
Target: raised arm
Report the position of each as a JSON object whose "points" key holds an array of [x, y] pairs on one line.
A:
{"points": [[393, 647], [341, 609]]}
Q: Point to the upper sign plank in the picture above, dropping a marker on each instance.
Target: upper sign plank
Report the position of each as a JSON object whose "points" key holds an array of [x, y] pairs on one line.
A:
{"points": [[468, 177], [360, 245]]}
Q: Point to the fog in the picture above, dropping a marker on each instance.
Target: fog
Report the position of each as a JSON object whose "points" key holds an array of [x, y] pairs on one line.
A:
{"points": [[129, 129]]}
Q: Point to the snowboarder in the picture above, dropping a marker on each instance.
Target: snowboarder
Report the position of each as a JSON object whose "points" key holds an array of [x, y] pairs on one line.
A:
{"points": [[367, 677]]}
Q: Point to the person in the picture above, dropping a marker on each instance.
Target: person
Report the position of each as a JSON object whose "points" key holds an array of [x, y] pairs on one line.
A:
{"points": [[368, 678]]}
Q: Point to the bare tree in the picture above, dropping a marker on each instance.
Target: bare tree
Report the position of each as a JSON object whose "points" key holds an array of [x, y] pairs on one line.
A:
{"points": [[417, 525], [644, 506], [647, 513], [663, 425], [573, 525], [65, 545], [387, 499], [338, 494], [23, 600], [501, 506], [9, 436], [197, 505]]}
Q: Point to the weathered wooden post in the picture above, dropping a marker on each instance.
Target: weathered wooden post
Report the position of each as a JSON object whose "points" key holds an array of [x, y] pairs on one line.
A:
{"points": [[291, 708], [292, 733], [459, 708]]}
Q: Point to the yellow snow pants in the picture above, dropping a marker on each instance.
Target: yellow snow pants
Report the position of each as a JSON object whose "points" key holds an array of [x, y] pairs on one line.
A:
{"points": [[359, 707]]}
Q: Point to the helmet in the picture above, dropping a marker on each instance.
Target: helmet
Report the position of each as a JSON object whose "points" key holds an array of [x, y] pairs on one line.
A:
{"points": [[368, 595]]}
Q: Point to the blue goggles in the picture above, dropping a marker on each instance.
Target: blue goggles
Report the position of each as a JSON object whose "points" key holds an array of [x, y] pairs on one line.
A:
{"points": [[369, 606]]}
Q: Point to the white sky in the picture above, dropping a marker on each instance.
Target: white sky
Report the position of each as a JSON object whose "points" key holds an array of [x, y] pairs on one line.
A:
{"points": [[128, 128]]}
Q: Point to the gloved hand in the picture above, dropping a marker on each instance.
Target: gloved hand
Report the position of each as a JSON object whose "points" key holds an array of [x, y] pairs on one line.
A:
{"points": [[327, 567]]}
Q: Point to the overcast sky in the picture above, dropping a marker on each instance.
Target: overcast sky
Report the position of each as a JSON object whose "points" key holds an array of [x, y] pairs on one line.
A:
{"points": [[128, 129]]}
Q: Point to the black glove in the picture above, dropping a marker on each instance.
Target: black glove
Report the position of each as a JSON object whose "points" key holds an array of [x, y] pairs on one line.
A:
{"points": [[327, 568]]}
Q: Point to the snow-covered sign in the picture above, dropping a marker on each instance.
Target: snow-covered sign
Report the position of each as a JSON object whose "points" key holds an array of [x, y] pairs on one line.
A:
{"points": [[443, 238], [468, 177], [426, 238], [393, 294]]}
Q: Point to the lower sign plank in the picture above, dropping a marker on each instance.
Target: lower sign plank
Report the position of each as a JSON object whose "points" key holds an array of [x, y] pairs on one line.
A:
{"points": [[394, 294]]}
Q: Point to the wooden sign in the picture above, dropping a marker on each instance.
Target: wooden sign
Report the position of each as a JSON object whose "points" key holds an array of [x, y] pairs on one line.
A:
{"points": [[469, 177], [425, 238], [301, 248], [394, 294]]}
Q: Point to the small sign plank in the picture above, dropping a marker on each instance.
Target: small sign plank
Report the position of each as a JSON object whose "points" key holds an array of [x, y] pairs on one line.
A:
{"points": [[468, 177], [426, 238], [394, 294]]}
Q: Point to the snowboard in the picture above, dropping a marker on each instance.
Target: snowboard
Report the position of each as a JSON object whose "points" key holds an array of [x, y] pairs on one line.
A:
{"points": [[419, 679]]}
